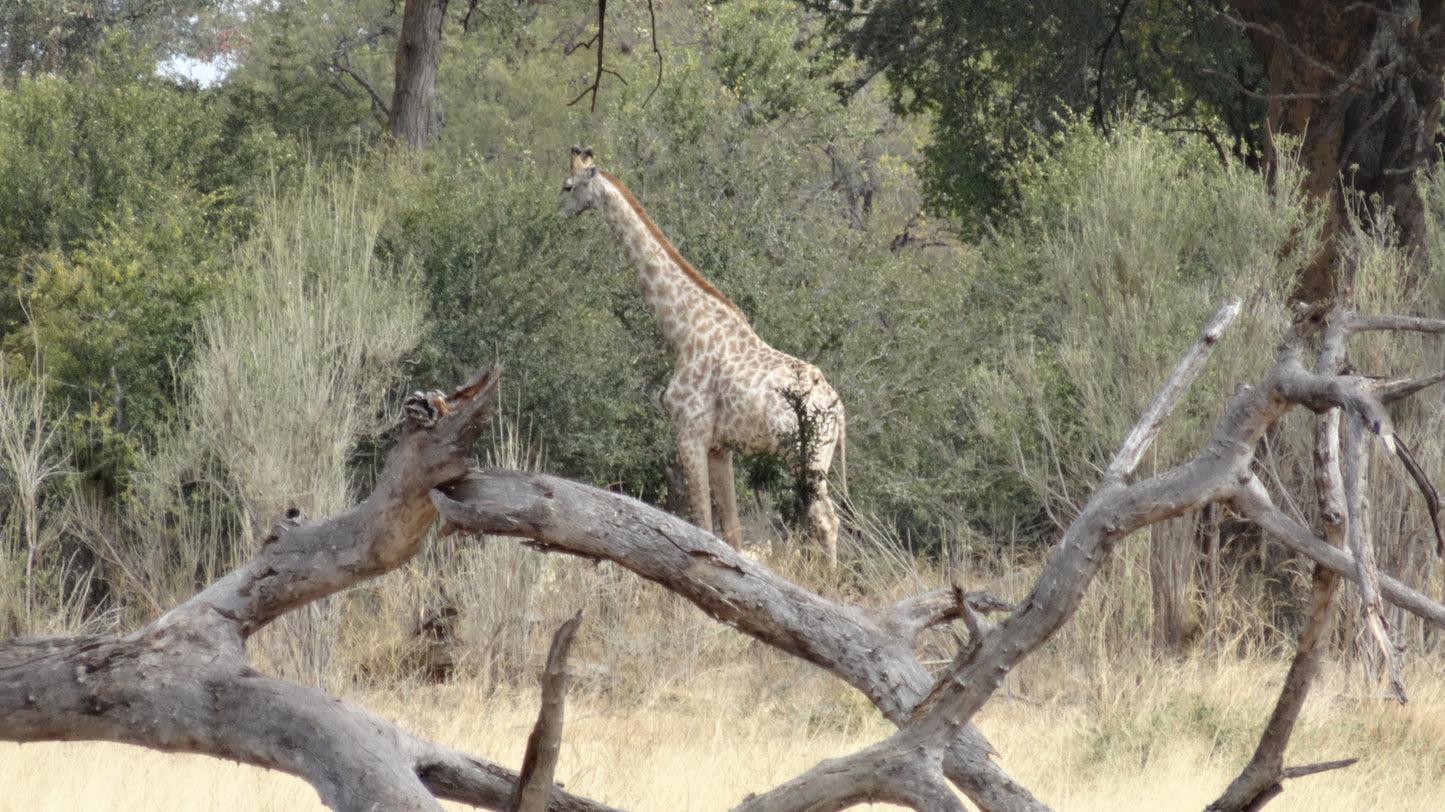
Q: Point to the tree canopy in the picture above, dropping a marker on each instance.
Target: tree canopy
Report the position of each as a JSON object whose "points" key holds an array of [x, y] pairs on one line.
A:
{"points": [[998, 78]]}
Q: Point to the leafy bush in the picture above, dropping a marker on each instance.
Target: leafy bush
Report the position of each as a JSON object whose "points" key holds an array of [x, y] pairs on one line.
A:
{"points": [[117, 197], [797, 234], [1129, 244]]}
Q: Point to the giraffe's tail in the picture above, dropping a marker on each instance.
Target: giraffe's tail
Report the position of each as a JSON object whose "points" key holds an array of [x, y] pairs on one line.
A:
{"points": [[843, 454]]}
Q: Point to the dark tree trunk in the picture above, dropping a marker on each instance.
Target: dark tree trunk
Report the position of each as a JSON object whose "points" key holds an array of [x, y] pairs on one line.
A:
{"points": [[418, 56], [1359, 83], [1171, 558]]}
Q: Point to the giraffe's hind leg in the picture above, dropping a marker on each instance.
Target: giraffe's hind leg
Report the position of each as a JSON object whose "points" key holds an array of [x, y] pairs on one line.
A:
{"points": [[724, 494], [823, 521]]}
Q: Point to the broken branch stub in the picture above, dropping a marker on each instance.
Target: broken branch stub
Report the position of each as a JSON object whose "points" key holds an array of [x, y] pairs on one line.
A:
{"points": [[539, 764], [183, 684]]}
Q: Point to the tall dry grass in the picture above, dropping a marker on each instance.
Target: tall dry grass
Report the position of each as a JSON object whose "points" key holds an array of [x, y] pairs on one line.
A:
{"points": [[292, 370], [42, 589], [671, 712]]}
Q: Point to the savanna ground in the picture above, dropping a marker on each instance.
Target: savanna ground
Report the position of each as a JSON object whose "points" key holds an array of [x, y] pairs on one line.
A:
{"points": [[670, 711], [990, 360]]}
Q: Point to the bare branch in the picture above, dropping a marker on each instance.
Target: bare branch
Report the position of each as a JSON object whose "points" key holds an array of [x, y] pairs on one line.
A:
{"points": [[534, 787], [1251, 500], [337, 64], [850, 642], [652, 30], [1391, 392], [1362, 546], [1356, 323], [452, 775], [909, 617], [1315, 769], [1427, 490], [341, 63], [901, 770], [599, 39], [1320, 393], [1126, 459]]}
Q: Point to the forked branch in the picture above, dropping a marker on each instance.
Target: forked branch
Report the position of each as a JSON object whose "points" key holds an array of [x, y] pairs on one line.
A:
{"points": [[183, 683]]}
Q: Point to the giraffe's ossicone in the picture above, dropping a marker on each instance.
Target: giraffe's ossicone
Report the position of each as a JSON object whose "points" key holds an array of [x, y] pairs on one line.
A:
{"points": [[729, 389]]}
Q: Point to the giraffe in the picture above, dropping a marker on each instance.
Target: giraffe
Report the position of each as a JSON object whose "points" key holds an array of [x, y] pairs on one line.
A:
{"points": [[729, 389]]}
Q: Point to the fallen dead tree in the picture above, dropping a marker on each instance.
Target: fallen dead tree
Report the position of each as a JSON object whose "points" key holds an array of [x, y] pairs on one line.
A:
{"points": [[183, 683]]}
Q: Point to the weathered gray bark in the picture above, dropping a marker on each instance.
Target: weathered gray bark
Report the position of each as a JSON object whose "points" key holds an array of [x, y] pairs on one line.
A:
{"points": [[182, 683], [534, 787], [1340, 488]]}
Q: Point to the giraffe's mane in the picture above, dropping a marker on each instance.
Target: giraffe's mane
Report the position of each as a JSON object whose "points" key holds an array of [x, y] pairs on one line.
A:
{"points": [[667, 246]]}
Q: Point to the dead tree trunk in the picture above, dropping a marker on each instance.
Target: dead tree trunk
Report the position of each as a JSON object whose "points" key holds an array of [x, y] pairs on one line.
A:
{"points": [[182, 683]]}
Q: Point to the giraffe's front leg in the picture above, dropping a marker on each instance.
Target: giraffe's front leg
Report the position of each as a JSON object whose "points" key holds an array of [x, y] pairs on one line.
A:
{"points": [[692, 454], [724, 493]]}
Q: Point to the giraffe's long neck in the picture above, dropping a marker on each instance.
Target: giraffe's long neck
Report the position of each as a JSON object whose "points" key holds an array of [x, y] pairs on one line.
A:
{"points": [[679, 298]]}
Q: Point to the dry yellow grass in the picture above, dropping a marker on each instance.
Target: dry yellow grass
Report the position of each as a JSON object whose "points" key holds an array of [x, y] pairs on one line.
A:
{"points": [[672, 712], [1166, 737]]}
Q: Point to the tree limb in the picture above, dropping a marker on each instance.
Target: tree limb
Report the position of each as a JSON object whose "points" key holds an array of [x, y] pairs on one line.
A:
{"points": [[182, 682], [1254, 503], [534, 787], [901, 770], [857, 645], [1126, 459]]}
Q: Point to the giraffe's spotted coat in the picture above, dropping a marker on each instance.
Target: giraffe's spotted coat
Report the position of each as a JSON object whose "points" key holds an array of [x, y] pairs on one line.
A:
{"points": [[727, 388]]}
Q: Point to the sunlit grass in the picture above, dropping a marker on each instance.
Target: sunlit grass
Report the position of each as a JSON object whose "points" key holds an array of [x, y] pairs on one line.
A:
{"points": [[1173, 742], [671, 711]]}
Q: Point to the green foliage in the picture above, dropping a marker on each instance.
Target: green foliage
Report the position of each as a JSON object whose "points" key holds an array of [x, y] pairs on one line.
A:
{"points": [[294, 365], [1134, 241], [505, 280], [290, 78], [298, 353], [762, 59], [786, 200], [116, 193], [995, 76]]}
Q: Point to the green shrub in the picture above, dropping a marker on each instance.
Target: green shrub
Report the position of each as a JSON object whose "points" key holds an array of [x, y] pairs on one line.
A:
{"points": [[1125, 247], [118, 195]]}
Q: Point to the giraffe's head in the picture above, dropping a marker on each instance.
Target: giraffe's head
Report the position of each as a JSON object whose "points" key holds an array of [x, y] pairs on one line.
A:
{"points": [[579, 190]]}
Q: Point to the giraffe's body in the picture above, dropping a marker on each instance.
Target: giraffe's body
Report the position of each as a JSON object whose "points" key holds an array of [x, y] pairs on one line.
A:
{"points": [[729, 389]]}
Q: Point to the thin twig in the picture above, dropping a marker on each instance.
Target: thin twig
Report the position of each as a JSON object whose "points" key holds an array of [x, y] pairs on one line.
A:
{"points": [[652, 30]]}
